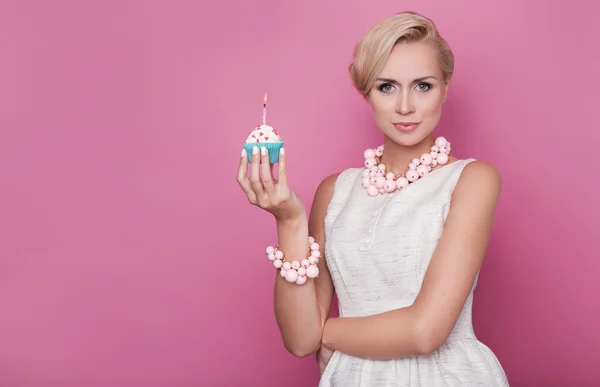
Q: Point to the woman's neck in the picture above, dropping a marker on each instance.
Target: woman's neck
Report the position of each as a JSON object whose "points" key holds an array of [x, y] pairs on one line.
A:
{"points": [[396, 157]]}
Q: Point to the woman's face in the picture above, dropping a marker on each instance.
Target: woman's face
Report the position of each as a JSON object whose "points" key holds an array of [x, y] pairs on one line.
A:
{"points": [[408, 94]]}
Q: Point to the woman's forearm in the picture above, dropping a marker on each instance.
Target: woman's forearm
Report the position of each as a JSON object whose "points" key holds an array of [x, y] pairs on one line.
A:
{"points": [[296, 307], [384, 336]]}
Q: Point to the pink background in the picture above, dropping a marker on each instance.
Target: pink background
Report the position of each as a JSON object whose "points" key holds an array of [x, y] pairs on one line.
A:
{"points": [[128, 254]]}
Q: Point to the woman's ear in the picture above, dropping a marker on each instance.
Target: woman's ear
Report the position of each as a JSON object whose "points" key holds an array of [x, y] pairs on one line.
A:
{"points": [[446, 87]]}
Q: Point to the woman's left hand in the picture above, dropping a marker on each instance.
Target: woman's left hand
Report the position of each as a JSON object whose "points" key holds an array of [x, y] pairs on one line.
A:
{"points": [[323, 356]]}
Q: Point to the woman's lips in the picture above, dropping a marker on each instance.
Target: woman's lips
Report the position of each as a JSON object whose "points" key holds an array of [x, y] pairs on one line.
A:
{"points": [[406, 126]]}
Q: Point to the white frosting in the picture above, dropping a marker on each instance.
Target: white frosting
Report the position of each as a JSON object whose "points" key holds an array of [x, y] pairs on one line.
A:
{"points": [[263, 133]]}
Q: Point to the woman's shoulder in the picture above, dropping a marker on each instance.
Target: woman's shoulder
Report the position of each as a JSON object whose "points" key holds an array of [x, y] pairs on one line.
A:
{"points": [[336, 184], [475, 170], [478, 177], [331, 182]]}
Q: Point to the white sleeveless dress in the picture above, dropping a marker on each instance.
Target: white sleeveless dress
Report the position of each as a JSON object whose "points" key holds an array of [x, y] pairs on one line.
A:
{"points": [[377, 250]]}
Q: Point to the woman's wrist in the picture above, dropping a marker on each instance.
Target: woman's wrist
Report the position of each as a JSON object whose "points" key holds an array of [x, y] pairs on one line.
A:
{"points": [[325, 335], [294, 220]]}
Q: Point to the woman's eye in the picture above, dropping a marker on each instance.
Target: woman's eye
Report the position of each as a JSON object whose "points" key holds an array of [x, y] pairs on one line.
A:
{"points": [[423, 86], [386, 88]]}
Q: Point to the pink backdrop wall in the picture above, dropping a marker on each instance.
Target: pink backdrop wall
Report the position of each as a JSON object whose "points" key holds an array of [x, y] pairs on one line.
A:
{"points": [[128, 255]]}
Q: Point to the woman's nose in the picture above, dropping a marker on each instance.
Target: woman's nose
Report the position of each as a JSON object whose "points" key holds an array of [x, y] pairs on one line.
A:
{"points": [[404, 103]]}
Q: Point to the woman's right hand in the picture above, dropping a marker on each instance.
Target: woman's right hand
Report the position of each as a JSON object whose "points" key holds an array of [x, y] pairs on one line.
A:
{"points": [[266, 192]]}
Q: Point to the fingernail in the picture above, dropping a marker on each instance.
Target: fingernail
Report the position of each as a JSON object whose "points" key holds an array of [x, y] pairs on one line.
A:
{"points": [[244, 153], [282, 151], [263, 151], [255, 150]]}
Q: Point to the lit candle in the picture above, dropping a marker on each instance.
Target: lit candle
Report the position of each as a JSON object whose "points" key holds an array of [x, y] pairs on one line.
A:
{"points": [[265, 110]]}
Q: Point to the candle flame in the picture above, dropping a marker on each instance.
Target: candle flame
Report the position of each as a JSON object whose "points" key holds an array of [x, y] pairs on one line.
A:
{"points": [[265, 98]]}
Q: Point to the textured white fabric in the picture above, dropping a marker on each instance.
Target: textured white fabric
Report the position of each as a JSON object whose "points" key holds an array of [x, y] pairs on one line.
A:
{"points": [[377, 250]]}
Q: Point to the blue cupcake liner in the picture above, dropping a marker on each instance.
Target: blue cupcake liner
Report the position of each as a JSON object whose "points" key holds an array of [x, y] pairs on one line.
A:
{"points": [[272, 147]]}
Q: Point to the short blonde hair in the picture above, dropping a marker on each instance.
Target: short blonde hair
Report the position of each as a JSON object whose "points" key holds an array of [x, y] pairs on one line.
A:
{"points": [[374, 47]]}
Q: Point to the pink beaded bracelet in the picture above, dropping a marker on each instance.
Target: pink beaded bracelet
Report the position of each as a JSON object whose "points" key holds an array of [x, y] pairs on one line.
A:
{"points": [[296, 271]]}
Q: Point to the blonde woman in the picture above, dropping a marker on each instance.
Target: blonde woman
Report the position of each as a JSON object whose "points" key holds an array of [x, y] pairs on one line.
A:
{"points": [[401, 239]]}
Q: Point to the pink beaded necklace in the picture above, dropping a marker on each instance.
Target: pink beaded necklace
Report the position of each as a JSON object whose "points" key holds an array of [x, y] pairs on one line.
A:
{"points": [[377, 181]]}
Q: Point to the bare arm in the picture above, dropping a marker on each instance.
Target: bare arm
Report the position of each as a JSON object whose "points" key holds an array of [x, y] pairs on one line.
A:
{"points": [[425, 325], [300, 310]]}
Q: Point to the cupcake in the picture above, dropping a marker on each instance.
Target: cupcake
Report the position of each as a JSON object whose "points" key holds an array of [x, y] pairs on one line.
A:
{"points": [[267, 137]]}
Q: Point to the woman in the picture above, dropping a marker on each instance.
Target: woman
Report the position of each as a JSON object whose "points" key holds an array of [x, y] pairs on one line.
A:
{"points": [[401, 240]]}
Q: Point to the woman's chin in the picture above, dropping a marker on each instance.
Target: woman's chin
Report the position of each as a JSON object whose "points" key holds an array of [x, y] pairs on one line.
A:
{"points": [[407, 139]]}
